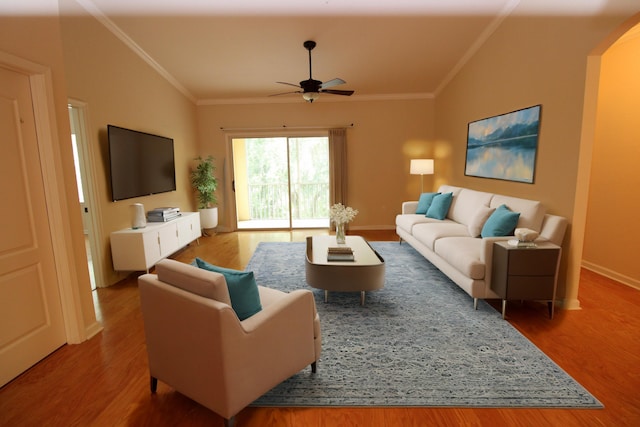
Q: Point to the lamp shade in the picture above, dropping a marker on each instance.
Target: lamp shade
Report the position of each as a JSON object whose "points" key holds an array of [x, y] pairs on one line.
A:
{"points": [[310, 96], [421, 167]]}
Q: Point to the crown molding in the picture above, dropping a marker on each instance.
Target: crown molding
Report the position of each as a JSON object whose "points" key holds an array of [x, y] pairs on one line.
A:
{"points": [[323, 99], [480, 41], [93, 10]]}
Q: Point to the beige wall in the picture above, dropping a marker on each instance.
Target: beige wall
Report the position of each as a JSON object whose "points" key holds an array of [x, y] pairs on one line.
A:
{"points": [[610, 234], [528, 61], [384, 137], [37, 39], [119, 88]]}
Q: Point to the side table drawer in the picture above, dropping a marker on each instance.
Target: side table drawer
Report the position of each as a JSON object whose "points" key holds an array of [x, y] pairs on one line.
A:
{"points": [[533, 262], [530, 287]]}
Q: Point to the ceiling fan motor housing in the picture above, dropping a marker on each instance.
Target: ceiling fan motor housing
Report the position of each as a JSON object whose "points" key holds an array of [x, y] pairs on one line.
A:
{"points": [[310, 85]]}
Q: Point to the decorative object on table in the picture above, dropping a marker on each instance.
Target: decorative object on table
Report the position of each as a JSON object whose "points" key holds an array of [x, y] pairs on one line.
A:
{"points": [[340, 253], [421, 167], [341, 215], [525, 238], [137, 216], [163, 214], [526, 234], [205, 183], [504, 146]]}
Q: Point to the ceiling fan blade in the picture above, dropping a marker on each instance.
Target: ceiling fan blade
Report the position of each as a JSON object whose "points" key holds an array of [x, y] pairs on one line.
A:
{"points": [[332, 82], [289, 84], [286, 93], [338, 92]]}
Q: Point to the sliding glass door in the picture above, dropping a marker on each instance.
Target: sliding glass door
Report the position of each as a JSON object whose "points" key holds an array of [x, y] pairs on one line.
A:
{"points": [[281, 182]]}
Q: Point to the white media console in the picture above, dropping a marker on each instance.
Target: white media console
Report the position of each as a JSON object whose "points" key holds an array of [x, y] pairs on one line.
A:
{"points": [[140, 249]]}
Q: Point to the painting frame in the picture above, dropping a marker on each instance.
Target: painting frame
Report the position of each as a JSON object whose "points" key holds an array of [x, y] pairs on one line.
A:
{"points": [[505, 146]]}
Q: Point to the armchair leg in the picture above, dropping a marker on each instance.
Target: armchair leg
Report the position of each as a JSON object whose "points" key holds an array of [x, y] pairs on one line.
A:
{"points": [[229, 422], [314, 367], [154, 384]]}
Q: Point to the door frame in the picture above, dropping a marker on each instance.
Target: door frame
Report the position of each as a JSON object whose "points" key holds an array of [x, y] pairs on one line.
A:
{"points": [[42, 95], [229, 173], [86, 153]]}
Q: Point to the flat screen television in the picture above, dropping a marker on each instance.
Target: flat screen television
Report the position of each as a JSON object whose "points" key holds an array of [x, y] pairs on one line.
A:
{"points": [[140, 163]]}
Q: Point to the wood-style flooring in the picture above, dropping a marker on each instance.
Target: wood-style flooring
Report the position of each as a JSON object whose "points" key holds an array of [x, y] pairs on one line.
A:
{"points": [[104, 381]]}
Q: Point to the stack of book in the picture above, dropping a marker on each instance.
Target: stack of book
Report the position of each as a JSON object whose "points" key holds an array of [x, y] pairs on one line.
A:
{"points": [[340, 253], [521, 244], [163, 214]]}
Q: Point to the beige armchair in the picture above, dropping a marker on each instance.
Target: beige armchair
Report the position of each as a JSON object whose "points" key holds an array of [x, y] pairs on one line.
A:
{"points": [[197, 345]]}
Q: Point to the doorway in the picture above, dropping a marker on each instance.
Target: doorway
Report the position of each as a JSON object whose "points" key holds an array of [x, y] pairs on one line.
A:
{"points": [[281, 182], [81, 158]]}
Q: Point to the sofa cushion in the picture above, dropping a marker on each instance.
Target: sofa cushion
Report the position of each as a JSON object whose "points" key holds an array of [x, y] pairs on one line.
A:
{"points": [[425, 202], [531, 211], [466, 203], [440, 206], [407, 221], [200, 282], [243, 289], [478, 220], [429, 233], [462, 253], [502, 222], [450, 189]]}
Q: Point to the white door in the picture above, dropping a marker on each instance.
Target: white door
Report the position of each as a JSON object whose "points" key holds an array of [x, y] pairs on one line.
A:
{"points": [[31, 321]]}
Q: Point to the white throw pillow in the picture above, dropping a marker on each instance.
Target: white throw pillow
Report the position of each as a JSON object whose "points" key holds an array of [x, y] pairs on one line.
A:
{"points": [[479, 218]]}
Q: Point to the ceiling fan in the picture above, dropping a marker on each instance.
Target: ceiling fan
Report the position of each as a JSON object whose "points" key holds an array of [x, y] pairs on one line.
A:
{"points": [[311, 89]]}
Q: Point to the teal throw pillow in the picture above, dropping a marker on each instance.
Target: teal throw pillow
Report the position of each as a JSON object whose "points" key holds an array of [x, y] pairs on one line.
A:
{"points": [[440, 206], [425, 202], [502, 222], [243, 289]]}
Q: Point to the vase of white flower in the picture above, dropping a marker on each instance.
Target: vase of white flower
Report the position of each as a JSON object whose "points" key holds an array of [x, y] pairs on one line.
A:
{"points": [[341, 215], [340, 236]]}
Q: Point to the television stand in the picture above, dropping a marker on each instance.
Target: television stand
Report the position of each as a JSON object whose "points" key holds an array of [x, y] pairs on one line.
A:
{"points": [[140, 249]]}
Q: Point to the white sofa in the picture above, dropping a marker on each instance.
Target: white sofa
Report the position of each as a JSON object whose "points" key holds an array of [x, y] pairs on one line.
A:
{"points": [[453, 244]]}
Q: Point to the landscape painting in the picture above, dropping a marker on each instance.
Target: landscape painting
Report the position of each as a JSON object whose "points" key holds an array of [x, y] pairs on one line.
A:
{"points": [[504, 146]]}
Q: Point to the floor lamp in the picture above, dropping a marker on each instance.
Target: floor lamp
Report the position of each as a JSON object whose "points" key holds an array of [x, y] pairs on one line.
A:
{"points": [[421, 167]]}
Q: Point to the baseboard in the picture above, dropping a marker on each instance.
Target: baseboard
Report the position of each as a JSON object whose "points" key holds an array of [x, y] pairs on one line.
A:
{"points": [[93, 330], [372, 227], [625, 280], [569, 304]]}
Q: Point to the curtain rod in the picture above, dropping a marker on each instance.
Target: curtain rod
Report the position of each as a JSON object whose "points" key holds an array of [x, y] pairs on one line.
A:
{"points": [[285, 127]]}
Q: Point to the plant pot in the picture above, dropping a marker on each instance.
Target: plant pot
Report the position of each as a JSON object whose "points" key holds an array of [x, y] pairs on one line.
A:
{"points": [[208, 218]]}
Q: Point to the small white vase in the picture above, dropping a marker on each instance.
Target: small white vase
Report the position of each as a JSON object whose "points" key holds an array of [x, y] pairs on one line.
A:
{"points": [[138, 219], [340, 235]]}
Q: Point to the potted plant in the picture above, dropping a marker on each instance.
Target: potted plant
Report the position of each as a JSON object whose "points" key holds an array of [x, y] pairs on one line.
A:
{"points": [[205, 184]]}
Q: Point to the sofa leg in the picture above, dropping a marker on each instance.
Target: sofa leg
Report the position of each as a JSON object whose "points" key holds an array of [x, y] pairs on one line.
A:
{"points": [[153, 383], [229, 422], [475, 303], [314, 367]]}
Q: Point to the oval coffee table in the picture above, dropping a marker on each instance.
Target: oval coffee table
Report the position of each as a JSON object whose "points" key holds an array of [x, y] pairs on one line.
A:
{"points": [[364, 273]]}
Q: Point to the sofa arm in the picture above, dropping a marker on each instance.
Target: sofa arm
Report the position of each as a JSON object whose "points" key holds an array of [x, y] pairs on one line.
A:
{"points": [[553, 228], [409, 207], [486, 255], [267, 348]]}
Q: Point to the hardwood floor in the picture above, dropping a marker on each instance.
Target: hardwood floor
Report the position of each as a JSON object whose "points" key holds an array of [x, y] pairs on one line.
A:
{"points": [[104, 381]]}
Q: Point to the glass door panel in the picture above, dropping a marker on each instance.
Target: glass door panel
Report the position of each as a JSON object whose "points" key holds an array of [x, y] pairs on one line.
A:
{"points": [[309, 178], [281, 182]]}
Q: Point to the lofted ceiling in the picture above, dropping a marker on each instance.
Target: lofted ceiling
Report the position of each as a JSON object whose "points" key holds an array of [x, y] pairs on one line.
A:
{"points": [[231, 51]]}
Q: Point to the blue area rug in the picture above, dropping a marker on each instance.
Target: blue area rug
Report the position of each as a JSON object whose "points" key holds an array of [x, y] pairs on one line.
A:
{"points": [[417, 342]]}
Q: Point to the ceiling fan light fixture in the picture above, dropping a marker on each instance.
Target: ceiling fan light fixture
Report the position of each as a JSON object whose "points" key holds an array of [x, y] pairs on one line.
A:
{"points": [[310, 96]]}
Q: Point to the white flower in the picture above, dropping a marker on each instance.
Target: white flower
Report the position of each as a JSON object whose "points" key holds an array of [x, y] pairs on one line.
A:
{"points": [[340, 214]]}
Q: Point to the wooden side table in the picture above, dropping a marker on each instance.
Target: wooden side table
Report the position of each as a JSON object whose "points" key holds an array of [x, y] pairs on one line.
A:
{"points": [[525, 273]]}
